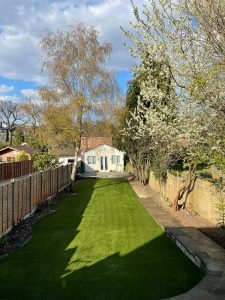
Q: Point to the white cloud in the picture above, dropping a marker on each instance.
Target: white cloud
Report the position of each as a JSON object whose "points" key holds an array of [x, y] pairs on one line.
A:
{"points": [[23, 21], [28, 93], [6, 88], [9, 98]]}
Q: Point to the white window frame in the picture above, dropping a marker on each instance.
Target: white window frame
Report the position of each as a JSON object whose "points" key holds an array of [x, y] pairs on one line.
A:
{"points": [[91, 159], [114, 159]]}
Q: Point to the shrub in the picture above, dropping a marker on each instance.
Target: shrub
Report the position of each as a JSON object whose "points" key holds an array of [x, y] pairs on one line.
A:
{"points": [[127, 167], [43, 161], [205, 175], [22, 156]]}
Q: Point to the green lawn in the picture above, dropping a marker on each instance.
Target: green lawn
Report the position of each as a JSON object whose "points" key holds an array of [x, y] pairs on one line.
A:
{"points": [[100, 244]]}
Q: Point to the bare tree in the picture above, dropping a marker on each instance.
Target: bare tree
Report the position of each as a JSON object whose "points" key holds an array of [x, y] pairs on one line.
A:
{"points": [[12, 117], [32, 108]]}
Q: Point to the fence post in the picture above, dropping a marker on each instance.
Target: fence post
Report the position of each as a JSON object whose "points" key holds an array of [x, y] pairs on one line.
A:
{"points": [[13, 204], [30, 191], [57, 179], [41, 187], [13, 170], [2, 209], [50, 183]]}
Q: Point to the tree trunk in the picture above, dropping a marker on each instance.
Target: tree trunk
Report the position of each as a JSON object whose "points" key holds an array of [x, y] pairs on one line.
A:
{"points": [[74, 170], [183, 189], [7, 135], [10, 137]]}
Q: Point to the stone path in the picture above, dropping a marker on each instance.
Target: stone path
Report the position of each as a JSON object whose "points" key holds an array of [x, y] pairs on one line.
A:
{"points": [[199, 248], [104, 175]]}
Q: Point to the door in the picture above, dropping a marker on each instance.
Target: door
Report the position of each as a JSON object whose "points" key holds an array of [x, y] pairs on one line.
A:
{"points": [[104, 163]]}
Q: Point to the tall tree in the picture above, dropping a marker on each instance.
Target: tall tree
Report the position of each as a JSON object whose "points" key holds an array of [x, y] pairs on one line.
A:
{"points": [[12, 117], [195, 68], [79, 83]]}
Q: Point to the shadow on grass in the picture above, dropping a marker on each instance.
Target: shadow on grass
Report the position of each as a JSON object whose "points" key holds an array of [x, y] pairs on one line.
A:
{"points": [[48, 267], [145, 273]]}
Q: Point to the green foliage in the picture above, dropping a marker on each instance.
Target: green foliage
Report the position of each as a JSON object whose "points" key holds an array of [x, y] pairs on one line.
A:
{"points": [[221, 211], [204, 174], [18, 139], [127, 166], [43, 161], [22, 156], [36, 143], [133, 92], [159, 173], [219, 161], [221, 206], [3, 145]]}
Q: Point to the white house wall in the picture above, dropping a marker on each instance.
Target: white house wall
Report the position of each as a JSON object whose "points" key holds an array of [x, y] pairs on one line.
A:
{"points": [[64, 160], [104, 151]]}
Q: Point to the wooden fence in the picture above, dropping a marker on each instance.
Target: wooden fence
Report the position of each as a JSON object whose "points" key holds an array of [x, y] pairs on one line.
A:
{"points": [[20, 197], [203, 199], [16, 169]]}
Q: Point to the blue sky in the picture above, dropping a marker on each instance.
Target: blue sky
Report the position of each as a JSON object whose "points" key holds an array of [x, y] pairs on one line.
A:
{"points": [[23, 21]]}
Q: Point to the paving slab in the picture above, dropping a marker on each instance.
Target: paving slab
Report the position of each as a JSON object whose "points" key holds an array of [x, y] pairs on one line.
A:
{"points": [[205, 253]]}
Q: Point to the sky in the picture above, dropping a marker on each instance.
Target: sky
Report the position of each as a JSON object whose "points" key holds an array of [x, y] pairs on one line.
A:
{"points": [[22, 22]]}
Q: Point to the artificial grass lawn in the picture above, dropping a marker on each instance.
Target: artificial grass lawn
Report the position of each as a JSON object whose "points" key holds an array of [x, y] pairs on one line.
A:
{"points": [[100, 244]]}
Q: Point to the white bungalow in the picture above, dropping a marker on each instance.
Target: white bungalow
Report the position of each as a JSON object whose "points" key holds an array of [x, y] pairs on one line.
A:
{"points": [[103, 158]]}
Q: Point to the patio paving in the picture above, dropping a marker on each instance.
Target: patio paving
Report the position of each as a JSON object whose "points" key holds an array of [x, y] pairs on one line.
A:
{"points": [[103, 175], [205, 253]]}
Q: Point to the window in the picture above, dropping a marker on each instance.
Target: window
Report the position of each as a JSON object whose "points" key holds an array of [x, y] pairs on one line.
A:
{"points": [[115, 160], [91, 160], [10, 159]]}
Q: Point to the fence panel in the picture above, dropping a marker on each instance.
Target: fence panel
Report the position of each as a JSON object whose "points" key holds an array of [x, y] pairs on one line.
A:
{"points": [[21, 197], [203, 199], [16, 169]]}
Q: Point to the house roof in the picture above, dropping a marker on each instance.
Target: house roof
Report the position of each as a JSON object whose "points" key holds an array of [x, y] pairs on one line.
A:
{"points": [[63, 151], [26, 149], [88, 143]]}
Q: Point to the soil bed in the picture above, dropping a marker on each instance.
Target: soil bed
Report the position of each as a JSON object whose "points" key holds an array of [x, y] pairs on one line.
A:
{"points": [[22, 232], [216, 234]]}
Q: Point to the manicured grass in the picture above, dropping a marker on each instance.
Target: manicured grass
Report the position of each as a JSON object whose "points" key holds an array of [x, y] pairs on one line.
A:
{"points": [[100, 244]]}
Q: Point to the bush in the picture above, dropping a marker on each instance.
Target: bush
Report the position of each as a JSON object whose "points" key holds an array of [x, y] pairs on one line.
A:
{"points": [[22, 156], [127, 167], [205, 175], [43, 161], [3, 145]]}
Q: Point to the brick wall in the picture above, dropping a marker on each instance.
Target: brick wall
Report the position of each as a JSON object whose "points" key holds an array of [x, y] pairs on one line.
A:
{"points": [[202, 200]]}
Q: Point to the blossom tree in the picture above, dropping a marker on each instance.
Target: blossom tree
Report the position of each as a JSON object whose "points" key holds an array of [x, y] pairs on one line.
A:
{"points": [[194, 112]]}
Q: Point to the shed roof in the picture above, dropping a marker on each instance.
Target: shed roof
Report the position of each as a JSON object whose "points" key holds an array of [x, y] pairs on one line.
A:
{"points": [[26, 149]]}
